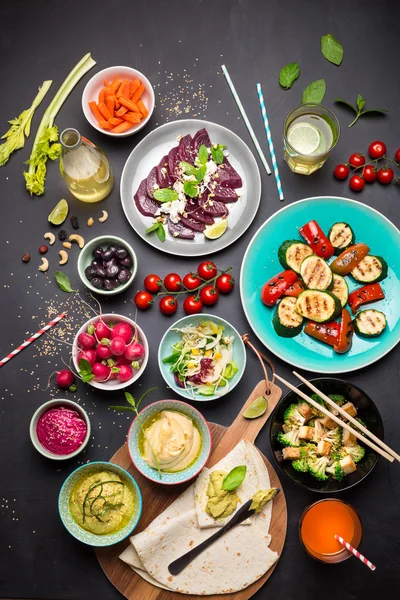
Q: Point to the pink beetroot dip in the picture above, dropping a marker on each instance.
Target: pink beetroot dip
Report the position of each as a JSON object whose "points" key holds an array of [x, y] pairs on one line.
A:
{"points": [[61, 430]]}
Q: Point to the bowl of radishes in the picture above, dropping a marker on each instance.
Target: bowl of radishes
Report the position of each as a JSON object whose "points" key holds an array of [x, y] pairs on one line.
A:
{"points": [[110, 352]]}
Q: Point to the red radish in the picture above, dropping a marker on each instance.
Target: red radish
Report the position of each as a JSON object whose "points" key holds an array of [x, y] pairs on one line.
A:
{"points": [[102, 330], [103, 352], [89, 355], [101, 372], [122, 360], [123, 330], [86, 341], [64, 378], [125, 373], [117, 346], [134, 351]]}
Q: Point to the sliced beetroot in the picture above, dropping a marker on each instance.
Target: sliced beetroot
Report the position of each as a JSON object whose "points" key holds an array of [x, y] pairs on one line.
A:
{"points": [[193, 224], [163, 178], [151, 181], [178, 382], [199, 215], [145, 205], [224, 194], [172, 163], [200, 138], [228, 176], [185, 149], [214, 207], [179, 230]]}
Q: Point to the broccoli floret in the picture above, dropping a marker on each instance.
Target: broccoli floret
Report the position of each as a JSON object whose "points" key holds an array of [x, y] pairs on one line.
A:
{"points": [[340, 453], [319, 431], [356, 452], [334, 437], [320, 401], [291, 438], [338, 399], [301, 464], [293, 417], [361, 421], [335, 470], [311, 422], [317, 468]]}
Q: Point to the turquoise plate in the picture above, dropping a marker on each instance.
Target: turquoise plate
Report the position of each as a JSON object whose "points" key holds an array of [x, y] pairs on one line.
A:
{"points": [[171, 337], [261, 262]]}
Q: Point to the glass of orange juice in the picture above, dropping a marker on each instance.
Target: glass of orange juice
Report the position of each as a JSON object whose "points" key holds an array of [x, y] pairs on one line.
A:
{"points": [[321, 521]]}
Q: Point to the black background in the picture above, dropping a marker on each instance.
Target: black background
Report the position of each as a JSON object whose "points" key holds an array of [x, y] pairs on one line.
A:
{"points": [[255, 39]]}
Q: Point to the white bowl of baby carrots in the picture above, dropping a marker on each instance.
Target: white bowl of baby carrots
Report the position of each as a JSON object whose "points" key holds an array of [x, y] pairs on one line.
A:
{"points": [[118, 101]]}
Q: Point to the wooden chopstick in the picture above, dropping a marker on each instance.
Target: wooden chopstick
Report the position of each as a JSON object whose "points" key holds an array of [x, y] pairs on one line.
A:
{"points": [[348, 417], [341, 423]]}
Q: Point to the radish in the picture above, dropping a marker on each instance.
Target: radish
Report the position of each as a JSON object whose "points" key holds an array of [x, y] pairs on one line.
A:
{"points": [[89, 355], [102, 330], [123, 330], [122, 360], [101, 372], [86, 341], [64, 378], [103, 352], [134, 351], [125, 373], [117, 346]]}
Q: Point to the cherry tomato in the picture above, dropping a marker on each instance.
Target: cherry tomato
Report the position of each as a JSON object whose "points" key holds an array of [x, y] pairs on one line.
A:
{"points": [[168, 305], [209, 295], [377, 149], [356, 183], [385, 176], [341, 171], [153, 283], [369, 173], [397, 156], [357, 160], [191, 281], [225, 283], [206, 270], [173, 282], [192, 305], [143, 300]]}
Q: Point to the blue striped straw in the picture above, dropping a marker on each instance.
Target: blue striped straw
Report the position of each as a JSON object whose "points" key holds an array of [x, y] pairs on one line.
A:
{"points": [[270, 142]]}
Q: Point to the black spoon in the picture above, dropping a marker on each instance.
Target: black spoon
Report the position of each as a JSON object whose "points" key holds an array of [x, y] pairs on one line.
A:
{"points": [[242, 514]]}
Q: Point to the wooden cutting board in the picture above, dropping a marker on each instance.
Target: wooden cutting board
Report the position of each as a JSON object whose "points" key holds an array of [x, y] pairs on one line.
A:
{"points": [[157, 497]]}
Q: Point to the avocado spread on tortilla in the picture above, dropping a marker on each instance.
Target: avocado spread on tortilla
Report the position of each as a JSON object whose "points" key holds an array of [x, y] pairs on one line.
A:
{"points": [[261, 498], [221, 503]]}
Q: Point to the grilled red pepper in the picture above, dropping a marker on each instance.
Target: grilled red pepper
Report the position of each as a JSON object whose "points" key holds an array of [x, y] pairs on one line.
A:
{"points": [[368, 293], [324, 332], [345, 333], [349, 259], [295, 289], [316, 239], [277, 286]]}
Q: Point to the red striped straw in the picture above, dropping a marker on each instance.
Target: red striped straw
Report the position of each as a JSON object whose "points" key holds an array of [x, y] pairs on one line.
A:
{"points": [[355, 552], [31, 339]]}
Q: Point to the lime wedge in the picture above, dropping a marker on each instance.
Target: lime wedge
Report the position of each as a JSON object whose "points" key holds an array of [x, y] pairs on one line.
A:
{"points": [[304, 138], [214, 231], [257, 408], [59, 213]]}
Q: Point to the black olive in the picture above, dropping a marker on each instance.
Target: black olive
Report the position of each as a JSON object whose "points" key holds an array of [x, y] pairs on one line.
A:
{"points": [[90, 272], [110, 263], [124, 275], [112, 271], [108, 255], [126, 262], [113, 248], [97, 282], [98, 252], [96, 263], [121, 253], [109, 284], [101, 272]]}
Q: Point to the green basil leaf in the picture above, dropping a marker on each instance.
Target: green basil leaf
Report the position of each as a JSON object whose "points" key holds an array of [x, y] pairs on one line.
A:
{"points": [[332, 49], [360, 102], [165, 195], [153, 227], [202, 155], [217, 154], [288, 75], [130, 399], [200, 172], [346, 104], [234, 478], [161, 232], [188, 168], [63, 282], [314, 93], [191, 188]]}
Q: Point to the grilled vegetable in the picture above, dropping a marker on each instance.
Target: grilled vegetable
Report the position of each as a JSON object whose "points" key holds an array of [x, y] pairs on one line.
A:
{"points": [[349, 259], [316, 239], [276, 287], [370, 270], [292, 253], [364, 295], [319, 306], [346, 331], [286, 321], [295, 289], [340, 289], [315, 273], [341, 236], [328, 333], [369, 323]]}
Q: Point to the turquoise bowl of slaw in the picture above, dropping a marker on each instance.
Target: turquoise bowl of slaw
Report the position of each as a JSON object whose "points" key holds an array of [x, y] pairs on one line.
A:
{"points": [[172, 336]]}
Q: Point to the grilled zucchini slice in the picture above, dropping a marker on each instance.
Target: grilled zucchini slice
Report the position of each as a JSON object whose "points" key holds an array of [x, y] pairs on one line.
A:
{"points": [[292, 253], [316, 273], [369, 323], [341, 236], [319, 306], [371, 269], [286, 321], [340, 289]]}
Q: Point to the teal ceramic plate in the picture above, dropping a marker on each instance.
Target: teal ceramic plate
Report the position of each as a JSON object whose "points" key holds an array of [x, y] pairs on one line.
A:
{"points": [[171, 337], [261, 262]]}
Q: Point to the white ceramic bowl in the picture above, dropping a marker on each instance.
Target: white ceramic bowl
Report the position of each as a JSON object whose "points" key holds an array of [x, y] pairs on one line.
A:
{"points": [[44, 408], [113, 384], [94, 85]]}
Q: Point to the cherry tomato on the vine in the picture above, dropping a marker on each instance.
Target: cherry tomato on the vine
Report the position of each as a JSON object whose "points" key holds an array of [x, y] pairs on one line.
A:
{"points": [[172, 282], [209, 295], [143, 300], [207, 270], [356, 183], [192, 305], [397, 156], [191, 281], [168, 305], [385, 176], [153, 283], [377, 149], [225, 283], [341, 171], [369, 173], [357, 160]]}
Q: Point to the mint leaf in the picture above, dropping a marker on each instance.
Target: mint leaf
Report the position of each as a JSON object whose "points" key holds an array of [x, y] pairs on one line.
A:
{"points": [[360, 102], [217, 154], [165, 195], [150, 229], [234, 478], [130, 399], [202, 155], [288, 75], [63, 282], [332, 49], [160, 231], [359, 109], [200, 172], [85, 370], [188, 168], [314, 93], [346, 103], [129, 408], [191, 188]]}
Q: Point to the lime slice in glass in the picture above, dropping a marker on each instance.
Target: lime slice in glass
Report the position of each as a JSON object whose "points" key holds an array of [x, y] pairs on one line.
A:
{"points": [[304, 138], [59, 213], [214, 231], [257, 408]]}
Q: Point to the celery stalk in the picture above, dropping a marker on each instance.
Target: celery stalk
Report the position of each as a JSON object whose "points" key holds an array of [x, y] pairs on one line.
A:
{"points": [[46, 144]]}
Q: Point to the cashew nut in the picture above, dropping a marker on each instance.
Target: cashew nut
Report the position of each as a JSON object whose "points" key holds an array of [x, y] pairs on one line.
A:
{"points": [[74, 237], [51, 237], [90, 222], [64, 257], [67, 245], [45, 265], [104, 217]]}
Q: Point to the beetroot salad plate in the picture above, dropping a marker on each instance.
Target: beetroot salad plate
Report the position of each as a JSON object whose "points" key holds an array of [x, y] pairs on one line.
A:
{"points": [[190, 188]]}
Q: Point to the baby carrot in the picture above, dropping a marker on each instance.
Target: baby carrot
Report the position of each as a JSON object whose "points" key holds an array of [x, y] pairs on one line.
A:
{"points": [[107, 83], [114, 121], [142, 108], [95, 110], [124, 89], [110, 104], [138, 93], [129, 104], [115, 85], [122, 127], [121, 111], [105, 125], [104, 111], [133, 87], [101, 96], [132, 117]]}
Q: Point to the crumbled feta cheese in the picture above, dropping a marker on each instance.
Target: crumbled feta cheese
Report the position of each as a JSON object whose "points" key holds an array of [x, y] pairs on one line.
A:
{"points": [[173, 209], [156, 186]]}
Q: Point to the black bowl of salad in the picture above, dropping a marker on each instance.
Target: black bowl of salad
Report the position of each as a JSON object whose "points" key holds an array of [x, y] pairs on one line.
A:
{"points": [[312, 450]]}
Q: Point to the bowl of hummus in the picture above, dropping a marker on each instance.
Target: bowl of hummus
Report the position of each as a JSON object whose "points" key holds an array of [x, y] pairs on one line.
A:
{"points": [[100, 504], [169, 442]]}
